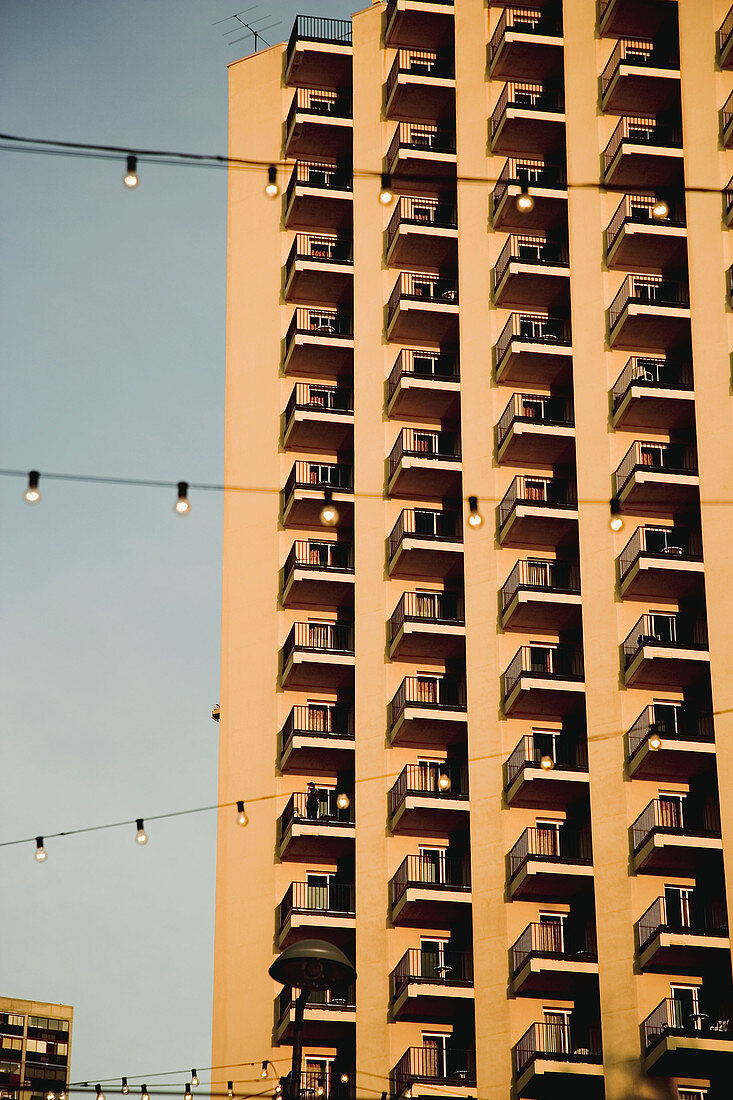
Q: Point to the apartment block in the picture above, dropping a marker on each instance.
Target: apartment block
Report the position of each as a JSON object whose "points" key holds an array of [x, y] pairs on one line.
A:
{"points": [[35, 1048], [477, 658]]}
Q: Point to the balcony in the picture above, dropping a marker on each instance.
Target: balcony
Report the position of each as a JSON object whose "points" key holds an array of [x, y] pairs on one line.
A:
{"points": [[421, 84], [676, 835], [315, 828], [319, 50], [636, 241], [543, 680], [424, 462], [317, 737], [318, 655], [726, 123], [550, 863], [653, 393], [419, 23], [541, 595], [424, 382], [668, 743], [422, 152], [535, 429], [643, 153], [666, 650], [651, 312], [532, 271], [556, 1059], [657, 476], [431, 891], [660, 562], [534, 347], [318, 417], [526, 44], [320, 342], [528, 118], [425, 542], [429, 799], [330, 1016], [319, 268], [423, 306], [680, 1042], [309, 909], [725, 42], [319, 195], [630, 18], [538, 511], [319, 124], [428, 710], [427, 625], [675, 937], [546, 771], [637, 73], [318, 574], [304, 491], [550, 960], [545, 183], [422, 232], [430, 985]]}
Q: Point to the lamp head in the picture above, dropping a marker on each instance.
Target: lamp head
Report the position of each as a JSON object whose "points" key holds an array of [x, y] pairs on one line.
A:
{"points": [[312, 965]]}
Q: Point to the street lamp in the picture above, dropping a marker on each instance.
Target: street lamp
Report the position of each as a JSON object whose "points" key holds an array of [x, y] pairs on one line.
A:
{"points": [[310, 965]]}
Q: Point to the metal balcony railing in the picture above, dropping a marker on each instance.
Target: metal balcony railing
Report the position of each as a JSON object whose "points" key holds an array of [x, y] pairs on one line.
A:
{"points": [[726, 113], [423, 287], [439, 780], [636, 51], [669, 629], [318, 720], [441, 872], [326, 1084], [336, 1000], [334, 899], [560, 1042], [425, 523], [660, 542], [411, 210], [675, 815], [312, 554], [440, 1065], [552, 662], [687, 916], [318, 475], [541, 575], [554, 940], [419, 63], [675, 1017], [642, 130], [553, 492], [527, 21], [323, 174], [324, 323], [317, 396], [426, 136], [652, 371], [567, 755], [527, 97], [725, 31], [415, 443], [638, 209], [672, 722], [524, 171], [563, 844], [314, 28], [426, 364], [319, 101], [533, 328], [538, 251], [650, 290], [325, 248], [334, 638], [425, 967], [643, 454], [435, 608], [433, 692], [533, 408], [321, 810]]}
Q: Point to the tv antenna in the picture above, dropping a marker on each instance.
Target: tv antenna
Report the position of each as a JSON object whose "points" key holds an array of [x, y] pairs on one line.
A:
{"points": [[249, 25]]}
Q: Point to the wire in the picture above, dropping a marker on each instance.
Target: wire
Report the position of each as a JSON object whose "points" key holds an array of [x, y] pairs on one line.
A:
{"points": [[175, 1072]]}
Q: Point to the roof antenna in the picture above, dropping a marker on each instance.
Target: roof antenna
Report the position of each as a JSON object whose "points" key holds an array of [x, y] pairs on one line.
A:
{"points": [[252, 31]]}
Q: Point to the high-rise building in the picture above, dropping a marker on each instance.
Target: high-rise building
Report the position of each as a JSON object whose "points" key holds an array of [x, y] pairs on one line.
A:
{"points": [[491, 761], [35, 1048]]}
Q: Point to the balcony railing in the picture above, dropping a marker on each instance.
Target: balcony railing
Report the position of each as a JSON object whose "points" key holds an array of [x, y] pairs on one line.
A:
{"points": [[435, 1065], [559, 1042], [434, 692], [541, 575], [441, 873], [427, 607], [552, 662], [660, 542], [425, 136], [441, 366], [323, 323], [330, 557], [321, 809], [690, 918], [323, 174], [411, 210], [335, 1000], [554, 941], [637, 209], [674, 1017], [423, 287], [426, 779], [319, 101], [651, 371], [648, 290], [725, 31], [425, 967], [318, 720], [419, 63], [533, 328], [567, 755], [533, 408], [676, 816], [325, 248], [563, 844], [319, 638], [523, 171], [538, 251], [642, 130], [414, 443], [527, 21], [554, 492], [318, 475], [671, 630], [334, 898], [527, 97], [425, 523], [672, 722], [636, 51], [314, 28], [670, 458], [312, 396]]}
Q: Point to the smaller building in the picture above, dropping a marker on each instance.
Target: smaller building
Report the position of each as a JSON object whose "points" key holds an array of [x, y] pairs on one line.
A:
{"points": [[35, 1048]]}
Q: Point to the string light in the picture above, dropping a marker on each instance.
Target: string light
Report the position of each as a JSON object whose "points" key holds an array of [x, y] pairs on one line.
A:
{"points": [[616, 521], [188, 1095], [182, 505], [98, 1090], [32, 495], [444, 782], [475, 519], [271, 189], [524, 201], [230, 1090], [243, 820], [130, 178], [655, 742], [41, 853], [194, 1078], [142, 836], [343, 801], [344, 1078], [62, 1094], [547, 763], [386, 194], [144, 1095], [329, 512], [660, 210], [125, 1088]]}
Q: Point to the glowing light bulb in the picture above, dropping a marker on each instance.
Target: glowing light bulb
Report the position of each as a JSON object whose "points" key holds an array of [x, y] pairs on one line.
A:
{"points": [[655, 742], [475, 519], [660, 210], [130, 178], [524, 201], [62, 1095], [187, 1094], [194, 1078], [32, 495], [125, 1088], [50, 1096], [243, 820], [230, 1090], [443, 782], [616, 521], [320, 1090], [329, 512], [343, 801], [41, 853], [142, 836], [144, 1095], [271, 188], [386, 194], [182, 505], [98, 1090], [344, 1078], [263, 1071], [547, 763]]}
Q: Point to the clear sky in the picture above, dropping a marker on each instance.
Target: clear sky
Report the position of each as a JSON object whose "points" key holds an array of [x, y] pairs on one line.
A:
{"points": [[112, 311]]}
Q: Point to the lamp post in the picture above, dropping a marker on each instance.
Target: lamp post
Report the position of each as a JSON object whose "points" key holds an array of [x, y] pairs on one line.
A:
{"points": [[310, 965]]}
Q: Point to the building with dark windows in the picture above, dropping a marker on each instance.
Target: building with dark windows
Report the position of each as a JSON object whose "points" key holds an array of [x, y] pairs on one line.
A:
{"points": [[35, 1048]]}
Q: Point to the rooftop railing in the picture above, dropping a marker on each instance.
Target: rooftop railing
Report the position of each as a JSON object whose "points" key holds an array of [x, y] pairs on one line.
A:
{"points": [[318, 475], [551, 662], [324, 323], [433, 1064], [654, 372], [527, 97], [643, 454], [446, 779], [532, 408], [421, 135], [424, 967], [533, 328], [676, 816], [725, 31], [432, 692], [425, 364], [522, 248], [653, 290], [692, 917], [312, 637], [525, 20], [427, 607], [664, 543], [318, 720], [333, 898], [638, 209], [668, 629], [314, 28], [560, 1042], [541, 575], [439, 872], [320, 556], [321, 174], [672, 722], [553, 940], [674, 1017], [425, 523], [321, 809], [552, 492], [414, 443], [527, 172], [563, 844], [411, 210], [567, 755], [642, 130], [636, 51]]}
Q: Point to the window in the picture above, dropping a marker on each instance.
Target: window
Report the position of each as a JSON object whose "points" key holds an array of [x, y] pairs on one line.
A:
{"points": [[657, 539], [663, 626], [433, 865], [550, 933], [427, 774], [547, 838], [317, 1077], [320, 635], [686, 1013], [535, 488], [432, 958], [435, 1046], [668, 717], [546, 743], [539, 573], [669, 811], [319, 889], [556, 1028], [424, 364], [691, 1094], [542, 659], [428, 688], [678, 907]]}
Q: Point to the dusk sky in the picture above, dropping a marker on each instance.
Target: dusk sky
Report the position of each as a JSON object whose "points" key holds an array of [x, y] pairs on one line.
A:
{"points": [[112, 313]]}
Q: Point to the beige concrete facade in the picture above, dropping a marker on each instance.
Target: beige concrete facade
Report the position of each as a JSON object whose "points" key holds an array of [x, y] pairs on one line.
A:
{"points": [[35, 1048], [519, 734]]}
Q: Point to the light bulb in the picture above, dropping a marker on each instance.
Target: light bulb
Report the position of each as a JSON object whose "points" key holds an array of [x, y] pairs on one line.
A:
{"points": [[343, 801], [194, 1078], [130, 178], [243, 820], [660, 210], [271, 188], [182, 505], [616, 521], [41, 853], [98, 1090], [524, 203], [142, 836], [320, 1090], [50, 1096], [278, 1089], [475, 519], [344, 1078], [547, 763], [125, 1089], [230, 1090], [263, 1071], [144, 1095], [187, 1094], [329, 512], [32, 495], [655, 742], [386, 194], [62, 1095], [443, 782]]}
